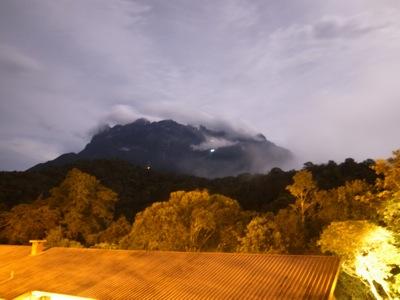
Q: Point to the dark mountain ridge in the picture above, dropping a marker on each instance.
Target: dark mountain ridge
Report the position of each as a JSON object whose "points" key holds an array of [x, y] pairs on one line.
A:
{"points": [[169, 146]]}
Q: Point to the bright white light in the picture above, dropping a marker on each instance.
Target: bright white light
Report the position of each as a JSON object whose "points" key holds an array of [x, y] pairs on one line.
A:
{"points": [[212, 150], [52, 296]]}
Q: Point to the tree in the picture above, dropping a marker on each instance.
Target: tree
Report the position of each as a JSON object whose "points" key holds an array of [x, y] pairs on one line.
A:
{"points": [[292, 231], [388, 186], [188, 221], [27, 221], [351, 201], [115, 232], [87, 207], [369, 252], [303, 189], [262, 236], [56, 238]]}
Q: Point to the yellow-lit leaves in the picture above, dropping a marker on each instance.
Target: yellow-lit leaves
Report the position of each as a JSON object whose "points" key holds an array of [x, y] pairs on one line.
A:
{"points": [[368, 251], [87, 206], [28, 221], [303, 189], [262, 236], [192, 220]]}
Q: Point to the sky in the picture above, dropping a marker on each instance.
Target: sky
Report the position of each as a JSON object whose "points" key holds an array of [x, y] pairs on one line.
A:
{"points": [[320, 78]]}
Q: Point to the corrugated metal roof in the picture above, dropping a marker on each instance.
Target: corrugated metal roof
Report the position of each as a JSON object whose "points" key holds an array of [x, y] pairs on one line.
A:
{"points": [[120, 274]]}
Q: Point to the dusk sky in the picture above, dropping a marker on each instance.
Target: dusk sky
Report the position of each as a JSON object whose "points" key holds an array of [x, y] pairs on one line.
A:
{"points": [[321, 78]]}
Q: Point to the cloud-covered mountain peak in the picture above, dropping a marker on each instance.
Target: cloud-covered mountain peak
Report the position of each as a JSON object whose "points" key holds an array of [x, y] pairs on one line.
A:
{"points": [[171, 146]]}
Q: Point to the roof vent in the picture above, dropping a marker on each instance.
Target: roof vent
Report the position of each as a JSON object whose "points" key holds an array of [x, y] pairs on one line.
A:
{"points": [[37, 246]]}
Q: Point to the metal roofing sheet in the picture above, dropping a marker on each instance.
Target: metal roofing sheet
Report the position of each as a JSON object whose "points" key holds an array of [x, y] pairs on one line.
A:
{"points": [[120, 274]]}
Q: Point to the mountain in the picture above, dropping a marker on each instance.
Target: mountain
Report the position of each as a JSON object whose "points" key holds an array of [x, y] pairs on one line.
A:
{"points": [[169, 146]]}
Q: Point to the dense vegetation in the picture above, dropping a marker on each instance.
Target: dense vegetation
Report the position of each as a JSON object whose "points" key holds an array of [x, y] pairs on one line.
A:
{"points": [[349, 209], [138, 187]]}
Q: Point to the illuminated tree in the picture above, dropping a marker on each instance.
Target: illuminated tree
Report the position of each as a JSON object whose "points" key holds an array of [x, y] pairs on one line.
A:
{"points": [[87, 207], [262, 235], [303, 189], [56, 238], [389, 190], [351, 201], [369, 252], [292, 231], [115, 232], [27, 221], [188, 221]]}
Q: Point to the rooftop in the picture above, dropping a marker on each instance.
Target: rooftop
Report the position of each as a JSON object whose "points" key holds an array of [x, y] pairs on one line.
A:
{"points": [[123, 274]]}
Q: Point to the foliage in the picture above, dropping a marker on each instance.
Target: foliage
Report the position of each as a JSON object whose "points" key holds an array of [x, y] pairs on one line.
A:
{"points": [[321, 202], [304, 203], [115, 232], [137, 188], [292, 231], [260, 193], [86, 206], [262, 236], [303, 189], [350, 287], [389, 190], [347, 202], [26, 222], [106, 246], [368, 251], [25, 187], [188, 221], [332, 175], [56, 238]]}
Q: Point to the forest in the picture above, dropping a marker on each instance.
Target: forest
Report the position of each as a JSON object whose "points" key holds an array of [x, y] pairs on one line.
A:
{"points": [[349, 209]]}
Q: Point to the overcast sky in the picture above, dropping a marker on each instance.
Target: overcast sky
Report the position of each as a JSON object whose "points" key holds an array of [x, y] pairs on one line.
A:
{"points": [[321, 78]]}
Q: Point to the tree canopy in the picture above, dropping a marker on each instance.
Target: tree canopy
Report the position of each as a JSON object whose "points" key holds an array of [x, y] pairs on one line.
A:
{"points": [[86, 206], [27, 221], [388, 187], [303, 189], [262, 236], [368, 251], [188, 221], [332, 208]]}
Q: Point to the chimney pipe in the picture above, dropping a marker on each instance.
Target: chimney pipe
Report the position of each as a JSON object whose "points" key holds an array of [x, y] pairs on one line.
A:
{"points": [[37, 246]]}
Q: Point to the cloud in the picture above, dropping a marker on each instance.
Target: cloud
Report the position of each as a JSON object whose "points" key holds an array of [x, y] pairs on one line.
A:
{"points": [[336, 27], [239, 14], [309, 77], [122, 114], [14, 61], [31, 150], [213, 143]]}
